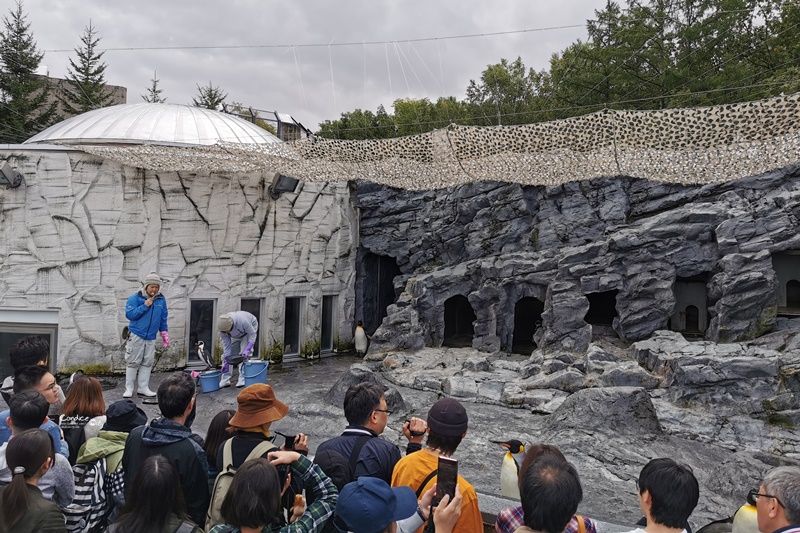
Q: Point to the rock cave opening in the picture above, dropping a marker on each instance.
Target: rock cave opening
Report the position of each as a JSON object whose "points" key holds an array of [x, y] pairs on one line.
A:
{"points": [[787, 269], [375, 287], [602, 308], [527, 317], [459, 318], [793, 294], [690, 316]]}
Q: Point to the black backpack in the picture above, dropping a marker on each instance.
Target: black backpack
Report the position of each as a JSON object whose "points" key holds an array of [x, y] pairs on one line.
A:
{"points": [[339, 469], [74, 433]]}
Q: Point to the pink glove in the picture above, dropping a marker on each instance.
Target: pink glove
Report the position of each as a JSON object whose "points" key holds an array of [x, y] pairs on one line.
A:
{"points": [[165, 338]]}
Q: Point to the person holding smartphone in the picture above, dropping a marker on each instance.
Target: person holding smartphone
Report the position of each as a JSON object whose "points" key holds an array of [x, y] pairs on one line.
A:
{"points": [[447, 426]]}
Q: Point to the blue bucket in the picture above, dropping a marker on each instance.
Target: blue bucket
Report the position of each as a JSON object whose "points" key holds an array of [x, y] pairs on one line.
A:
{"points": [[255, 372], [209, 381]]}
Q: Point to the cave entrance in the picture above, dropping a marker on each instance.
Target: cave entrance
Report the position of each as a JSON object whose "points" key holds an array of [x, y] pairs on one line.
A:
{"points": [[458, 322], [691, 304], [793, 294], [602, 308], [527, 317], [692, 319], [376, 287], [787, 269]]}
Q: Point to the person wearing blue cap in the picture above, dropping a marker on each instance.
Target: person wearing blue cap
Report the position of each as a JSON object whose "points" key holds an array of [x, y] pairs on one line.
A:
{"points": [[370, 505]]}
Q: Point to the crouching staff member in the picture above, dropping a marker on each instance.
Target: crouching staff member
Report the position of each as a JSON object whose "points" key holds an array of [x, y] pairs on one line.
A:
{"points": [[147, 311], [238, 332]]}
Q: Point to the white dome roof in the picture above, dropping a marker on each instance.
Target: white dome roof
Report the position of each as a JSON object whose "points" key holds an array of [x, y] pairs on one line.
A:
{"points": [[159, 124]]}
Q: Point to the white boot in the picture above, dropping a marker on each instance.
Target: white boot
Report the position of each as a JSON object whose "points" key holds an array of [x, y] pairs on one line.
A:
{"points": [[144, 382], [130, 381], [225, 379], [240, 381]]}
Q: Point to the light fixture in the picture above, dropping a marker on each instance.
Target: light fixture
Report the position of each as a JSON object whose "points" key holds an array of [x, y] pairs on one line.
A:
{"points": [[9, 177], [282, 184]]}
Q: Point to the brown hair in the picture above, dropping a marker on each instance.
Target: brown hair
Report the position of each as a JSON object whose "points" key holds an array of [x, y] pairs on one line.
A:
{"points": [[85, 398]]}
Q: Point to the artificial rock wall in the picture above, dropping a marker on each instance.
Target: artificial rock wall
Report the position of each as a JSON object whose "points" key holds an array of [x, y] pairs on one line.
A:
{"points": [[496, 243], [81, 232]]}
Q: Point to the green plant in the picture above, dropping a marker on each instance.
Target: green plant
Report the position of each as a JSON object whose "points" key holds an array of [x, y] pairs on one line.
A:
{"points": [[217, 353], [534, 237], [275, 353], [310, 349], [95, 369]]}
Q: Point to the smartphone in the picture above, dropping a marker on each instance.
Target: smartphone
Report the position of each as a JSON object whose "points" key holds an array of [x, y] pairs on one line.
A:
{"points": [[446, 478]]}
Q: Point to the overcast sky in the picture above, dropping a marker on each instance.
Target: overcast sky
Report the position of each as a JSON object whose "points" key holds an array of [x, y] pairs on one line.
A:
{"points": [[276, 69]]}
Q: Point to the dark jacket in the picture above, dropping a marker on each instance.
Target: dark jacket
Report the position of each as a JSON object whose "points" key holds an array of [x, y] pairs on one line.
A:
{"points": [[243, 442], [146, 321], [172, 525], [377, 457], [42, 515], [175, 442]]}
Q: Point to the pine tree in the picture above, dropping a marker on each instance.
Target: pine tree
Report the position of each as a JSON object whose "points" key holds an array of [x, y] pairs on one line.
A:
{"points": [[87, 76], [209, 97], [153, 95], [25, 106]]}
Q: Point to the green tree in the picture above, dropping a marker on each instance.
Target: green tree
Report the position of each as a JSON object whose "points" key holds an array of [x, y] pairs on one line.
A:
{"points": [[153, 95], [25, 104], [209, 96], [87, 77], [359, 124], [505, 94]]}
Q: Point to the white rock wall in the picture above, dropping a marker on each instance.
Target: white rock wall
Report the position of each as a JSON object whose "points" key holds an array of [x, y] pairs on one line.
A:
{"points": [[81, 232]]}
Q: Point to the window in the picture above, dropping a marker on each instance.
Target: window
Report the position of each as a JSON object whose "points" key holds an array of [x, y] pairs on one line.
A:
{"points": [[291, 326], [328, 314], [17, 324], [253, 306], [201, 328]]}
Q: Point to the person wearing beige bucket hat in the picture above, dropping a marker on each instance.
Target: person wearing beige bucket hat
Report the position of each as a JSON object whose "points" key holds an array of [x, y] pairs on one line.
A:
{"points": [[238, 332], [257, 409]]}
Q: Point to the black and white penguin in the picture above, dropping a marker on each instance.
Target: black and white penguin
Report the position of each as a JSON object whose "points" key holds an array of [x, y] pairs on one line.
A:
{"points": [[361, 339], [509, 469]]}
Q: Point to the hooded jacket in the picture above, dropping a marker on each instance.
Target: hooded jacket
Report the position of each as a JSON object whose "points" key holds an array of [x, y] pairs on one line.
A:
{"points": [[146, 321], [108, 444], [174, 441]]}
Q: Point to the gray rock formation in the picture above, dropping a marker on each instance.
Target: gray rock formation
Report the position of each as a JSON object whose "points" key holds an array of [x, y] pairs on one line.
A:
{"points": [[649, 251]]}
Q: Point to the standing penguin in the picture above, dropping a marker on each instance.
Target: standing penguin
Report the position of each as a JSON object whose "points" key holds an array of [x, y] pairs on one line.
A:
{"points": [[362, 341], [509, 469]]}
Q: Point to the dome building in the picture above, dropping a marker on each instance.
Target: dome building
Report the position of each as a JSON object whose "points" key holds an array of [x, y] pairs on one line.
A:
{"points": [[82, 230]]}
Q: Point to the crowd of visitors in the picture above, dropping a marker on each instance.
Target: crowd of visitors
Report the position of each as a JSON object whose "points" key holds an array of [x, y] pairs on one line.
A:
{"points": [[93, 468]]}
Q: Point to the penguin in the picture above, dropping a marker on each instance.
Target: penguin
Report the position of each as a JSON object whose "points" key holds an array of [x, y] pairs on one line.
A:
{"points": [[509, 470], [204, 356], [745, 520], [361, 339]]}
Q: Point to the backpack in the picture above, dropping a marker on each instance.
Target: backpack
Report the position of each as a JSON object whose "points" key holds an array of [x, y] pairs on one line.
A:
{"points": [[340, 470], [223, 481], [88, 512], [73, 428]]}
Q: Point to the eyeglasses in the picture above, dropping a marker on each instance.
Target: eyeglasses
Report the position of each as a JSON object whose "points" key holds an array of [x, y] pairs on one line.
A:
{"points": [[753, 496], [387, 411], [52, 387]]}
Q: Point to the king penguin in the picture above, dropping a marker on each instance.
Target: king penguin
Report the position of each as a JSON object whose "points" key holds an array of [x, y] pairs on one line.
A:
{"points": [[362, 341], [509, 470]]}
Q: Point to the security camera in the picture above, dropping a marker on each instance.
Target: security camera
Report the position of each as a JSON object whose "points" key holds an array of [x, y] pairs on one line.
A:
{"points": [[9, 177]]}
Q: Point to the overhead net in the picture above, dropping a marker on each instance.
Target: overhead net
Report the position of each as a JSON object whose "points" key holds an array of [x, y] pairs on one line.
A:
{"points": [[690, 146]]}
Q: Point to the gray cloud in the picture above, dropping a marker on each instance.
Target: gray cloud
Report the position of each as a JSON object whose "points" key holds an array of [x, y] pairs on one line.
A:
{"points": [[298, 80]]}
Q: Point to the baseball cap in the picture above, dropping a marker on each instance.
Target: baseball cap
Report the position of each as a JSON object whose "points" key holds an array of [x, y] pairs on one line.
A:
{"points": [[369, 504]]}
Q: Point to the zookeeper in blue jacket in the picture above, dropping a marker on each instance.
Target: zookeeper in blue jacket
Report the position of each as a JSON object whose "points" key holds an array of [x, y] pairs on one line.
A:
{"points": [[147, 311]]}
